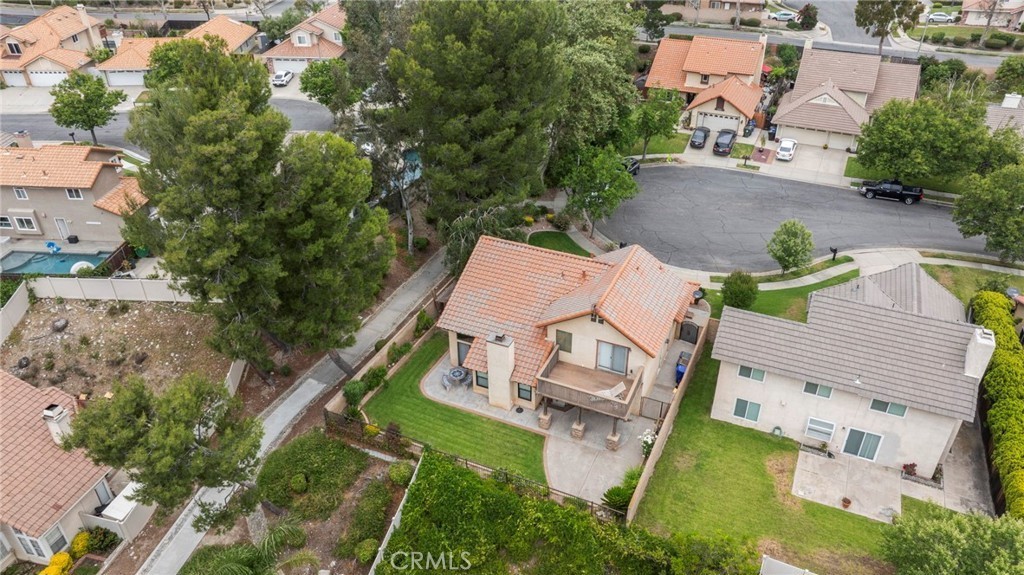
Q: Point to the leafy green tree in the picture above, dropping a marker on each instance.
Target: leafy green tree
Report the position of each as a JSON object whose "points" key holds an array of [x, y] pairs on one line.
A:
{"points": [[940, 542], [267, 557], [791, 245], [1004, 147], [697, 554], [739, 290], [599, 184], [83, 102], [1010, 74], [372, 29], [656, 116], [194, 434], [991, 206], [100, 54], [327, 82], [808, 17], [788, 54], [462, 233], [277, 27], [880, 18], [482, 83], [654, 20]]}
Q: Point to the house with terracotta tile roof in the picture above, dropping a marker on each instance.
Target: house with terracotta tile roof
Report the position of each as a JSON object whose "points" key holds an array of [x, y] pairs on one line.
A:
{"points": [[541, 328], [316, 38], [44, 51], [836, 93], [239, 36], [47, 495], [1005, 13], [129, 65], [719, 77], [54, 192]]}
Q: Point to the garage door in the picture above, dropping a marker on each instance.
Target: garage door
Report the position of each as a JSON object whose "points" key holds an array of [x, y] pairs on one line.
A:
{"points": [[841, 141], [716, 122], [46, 78], [14, 79], [286, 65], [125, 78], [804, 137]]}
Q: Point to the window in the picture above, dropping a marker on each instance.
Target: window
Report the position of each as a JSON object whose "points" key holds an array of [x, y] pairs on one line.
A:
{"points": [[103, 493], [73, 193], [747, 410], [55, 539], [301, 40], [20, 193], [14, 48], [25, 223], [74, 37], [29, 544], [337, 36], [720, 103], [5, 223], [818, 389], [704, 78], [862, 444], [888, 407], [564, 340], [525, 392], [819, 429], [612, 357], [751, 373], [481, 380]]}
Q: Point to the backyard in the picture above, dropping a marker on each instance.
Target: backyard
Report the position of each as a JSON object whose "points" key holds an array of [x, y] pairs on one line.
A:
{"points": [[558, 241], [857, 171], [964, 282], [717, 477], [785, 303], [483, 440]]}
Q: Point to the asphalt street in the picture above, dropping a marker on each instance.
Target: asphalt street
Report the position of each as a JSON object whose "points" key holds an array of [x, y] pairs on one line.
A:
{"points": [[304, 116], [720, 220], [838, 14]]}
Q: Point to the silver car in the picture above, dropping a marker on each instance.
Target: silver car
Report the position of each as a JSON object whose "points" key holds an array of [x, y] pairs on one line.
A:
{"points": [[782, 16], [282, 78], [941, 17]]}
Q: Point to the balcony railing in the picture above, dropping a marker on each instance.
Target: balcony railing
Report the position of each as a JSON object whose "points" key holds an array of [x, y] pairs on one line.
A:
{"points": [[577, 385]]}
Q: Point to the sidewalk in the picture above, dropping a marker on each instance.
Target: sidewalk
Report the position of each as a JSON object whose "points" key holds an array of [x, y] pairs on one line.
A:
{"points": [[21, 100], [179, 543]]}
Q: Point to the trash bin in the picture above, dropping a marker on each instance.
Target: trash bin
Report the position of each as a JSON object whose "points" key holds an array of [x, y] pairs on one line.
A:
{"points": [[680, 372], [72, 239]]}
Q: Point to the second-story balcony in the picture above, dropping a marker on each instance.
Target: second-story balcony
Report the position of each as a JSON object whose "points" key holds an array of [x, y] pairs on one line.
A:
{"points": [[593, 389]]}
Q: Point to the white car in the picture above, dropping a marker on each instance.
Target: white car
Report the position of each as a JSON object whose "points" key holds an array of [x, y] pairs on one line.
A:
{"points": [[941, 17], [787, 149], [282, 78], [782, 16]]}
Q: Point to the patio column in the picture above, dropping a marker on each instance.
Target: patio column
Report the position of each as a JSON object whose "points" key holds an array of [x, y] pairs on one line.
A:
{"points": [[544, 419], [611, 443], [578, 427]]}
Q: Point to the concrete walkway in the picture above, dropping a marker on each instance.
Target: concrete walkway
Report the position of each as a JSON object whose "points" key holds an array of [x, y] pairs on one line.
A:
{"points": [[179, 543]]}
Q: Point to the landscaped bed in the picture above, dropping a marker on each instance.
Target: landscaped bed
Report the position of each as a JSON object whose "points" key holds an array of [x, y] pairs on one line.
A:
{"points": [[965, 282], [480, 439], [785, 303], [558, 241]]}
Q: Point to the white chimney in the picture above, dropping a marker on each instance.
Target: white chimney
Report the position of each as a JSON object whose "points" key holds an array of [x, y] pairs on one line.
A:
{"points": [[1012, 100], [979, 351], [93, 41], [58, 420], [23, 139]]}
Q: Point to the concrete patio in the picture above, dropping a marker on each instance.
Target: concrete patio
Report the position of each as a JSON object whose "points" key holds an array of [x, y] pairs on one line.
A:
{"points": [[580, 467], [965, 477], [874, 491]]}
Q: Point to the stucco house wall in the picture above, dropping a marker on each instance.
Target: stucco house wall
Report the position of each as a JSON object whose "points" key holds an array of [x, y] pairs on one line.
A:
{"points": [[70, 524], [918, 437], [44, 204], [710, 107]]}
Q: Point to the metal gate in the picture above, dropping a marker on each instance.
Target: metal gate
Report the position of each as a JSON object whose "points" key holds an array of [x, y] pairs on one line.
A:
{"points": [[654, 409]]}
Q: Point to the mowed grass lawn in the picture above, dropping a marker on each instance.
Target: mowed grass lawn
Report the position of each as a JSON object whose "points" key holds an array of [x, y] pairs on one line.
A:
{"points": [[485, 441], [674, 144], [558, 241], [857, 171], [964, 282], [785, 303], [718, 477]]}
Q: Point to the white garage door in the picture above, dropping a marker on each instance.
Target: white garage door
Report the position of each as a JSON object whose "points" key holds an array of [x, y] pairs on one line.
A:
{"points": [[125, 78], [805, 137], [14, 78], [841, 141], [716, 122], [287, 65], [46, 78]]}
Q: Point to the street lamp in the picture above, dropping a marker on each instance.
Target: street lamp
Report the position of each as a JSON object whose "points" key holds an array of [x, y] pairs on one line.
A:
{"points": [[73, 140], [924, 34]]}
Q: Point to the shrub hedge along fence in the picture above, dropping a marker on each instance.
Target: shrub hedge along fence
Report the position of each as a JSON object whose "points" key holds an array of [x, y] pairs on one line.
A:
{"points": [[1004, 389]]}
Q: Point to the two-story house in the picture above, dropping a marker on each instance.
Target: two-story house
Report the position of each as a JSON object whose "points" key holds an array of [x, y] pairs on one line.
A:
{"points": [[1005, 13], [44, 51], [719, 77], [886, 369], [316, 38], [239, 36], [836, 93], [543, 328], [54, 192]]}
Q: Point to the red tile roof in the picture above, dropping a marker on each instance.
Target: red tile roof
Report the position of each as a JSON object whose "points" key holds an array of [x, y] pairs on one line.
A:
{"points": [[133, 54], [52, 166], [233, 32], [745, 98], [42, 37], [40, 481], [667, 69], [723, 56], [124, 198]]}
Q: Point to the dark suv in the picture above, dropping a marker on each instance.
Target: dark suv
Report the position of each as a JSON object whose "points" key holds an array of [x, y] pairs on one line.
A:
{"points": [[724, 142], [700, 137], [891, 189]]}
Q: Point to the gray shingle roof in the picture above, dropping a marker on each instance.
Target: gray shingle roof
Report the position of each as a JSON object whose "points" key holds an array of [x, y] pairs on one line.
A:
{"points": [[907, 287], [997, 116], [842, 114], [870, 335]]}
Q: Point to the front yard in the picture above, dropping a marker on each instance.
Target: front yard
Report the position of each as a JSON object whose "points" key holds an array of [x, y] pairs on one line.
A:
{"points": [[674, 144], [964, 282], [717, 477], [558, 241], [857, 171], [785, 303], [483, 440]]}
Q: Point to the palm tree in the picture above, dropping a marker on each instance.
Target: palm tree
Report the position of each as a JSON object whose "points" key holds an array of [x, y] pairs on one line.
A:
{"points": [[266, 557]]}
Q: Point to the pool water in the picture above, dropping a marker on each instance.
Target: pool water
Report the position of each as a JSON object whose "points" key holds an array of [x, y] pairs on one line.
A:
{"points": [[37, 263]]}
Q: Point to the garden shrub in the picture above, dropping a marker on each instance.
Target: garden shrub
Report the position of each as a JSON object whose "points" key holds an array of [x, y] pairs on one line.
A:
{"points": [[80, 545], [369, 520], [396, 352], [1018, 44], [561, 221], [739, 290], [644, 48], [750, 22], [379, 344], [959, 41], [528, 220], [995, 44], [632, 477], [617, 497], [298, 483], [420, 243], [938, 37], [60, 564], [330, 467], [793, 25], [400, 473], [102, 540], [354, 392], [375, 377], [976, 37], [366, 551], [423, 323], [1005, 37]]}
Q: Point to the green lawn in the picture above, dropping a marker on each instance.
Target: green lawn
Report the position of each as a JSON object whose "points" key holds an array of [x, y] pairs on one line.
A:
{"points": [[964, 282], [717, 477], [739, 150], [793, 274], [953, 31], [558, 241], [674, 144], [486, 441], [785, 303], [978, 259], [857, 171]]}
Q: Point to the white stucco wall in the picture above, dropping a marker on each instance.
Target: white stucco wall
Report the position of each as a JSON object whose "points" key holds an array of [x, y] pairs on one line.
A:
{"points": [[70, 524], [918, 437]]}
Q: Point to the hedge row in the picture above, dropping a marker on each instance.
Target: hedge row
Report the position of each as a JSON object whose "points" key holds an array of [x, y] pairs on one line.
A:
{"points": [[1004, 389]]}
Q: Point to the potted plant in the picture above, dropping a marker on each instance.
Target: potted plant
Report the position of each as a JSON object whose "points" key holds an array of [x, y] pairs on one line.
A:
{"points": [[847, 502], [760, 148], [910, 469]]}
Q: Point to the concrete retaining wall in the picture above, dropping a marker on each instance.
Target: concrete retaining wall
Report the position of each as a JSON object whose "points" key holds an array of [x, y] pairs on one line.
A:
{"points": [[14, 311], [108, 289]]}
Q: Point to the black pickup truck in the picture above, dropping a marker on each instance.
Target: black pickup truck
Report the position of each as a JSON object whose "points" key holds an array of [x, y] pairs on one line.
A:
{"points": [[893, 190]]}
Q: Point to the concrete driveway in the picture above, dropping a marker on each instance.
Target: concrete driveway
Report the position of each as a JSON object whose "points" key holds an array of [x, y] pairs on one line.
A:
{"points": [[811, 163]]}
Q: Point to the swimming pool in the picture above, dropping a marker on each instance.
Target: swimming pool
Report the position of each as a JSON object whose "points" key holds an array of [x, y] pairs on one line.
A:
{"points": [[37, 263]]}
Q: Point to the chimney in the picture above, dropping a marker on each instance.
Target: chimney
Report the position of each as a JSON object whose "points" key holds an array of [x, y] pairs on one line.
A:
{"points": [[93, 41], [22, 139], [979, 351], [1012, 100], [501, 360], [808, 44], [58, 420]]}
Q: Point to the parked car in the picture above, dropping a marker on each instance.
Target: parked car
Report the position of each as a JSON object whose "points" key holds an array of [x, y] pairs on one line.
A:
{"points": [[941, 17], [782, 16], [724, 142], [632, 166], [282, 78], [787, 149], [892, 190], [700, 137]]}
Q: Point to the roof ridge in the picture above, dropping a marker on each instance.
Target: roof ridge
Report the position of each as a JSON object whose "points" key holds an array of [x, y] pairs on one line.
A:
{"points": [[615, 278], [892, 310]]}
